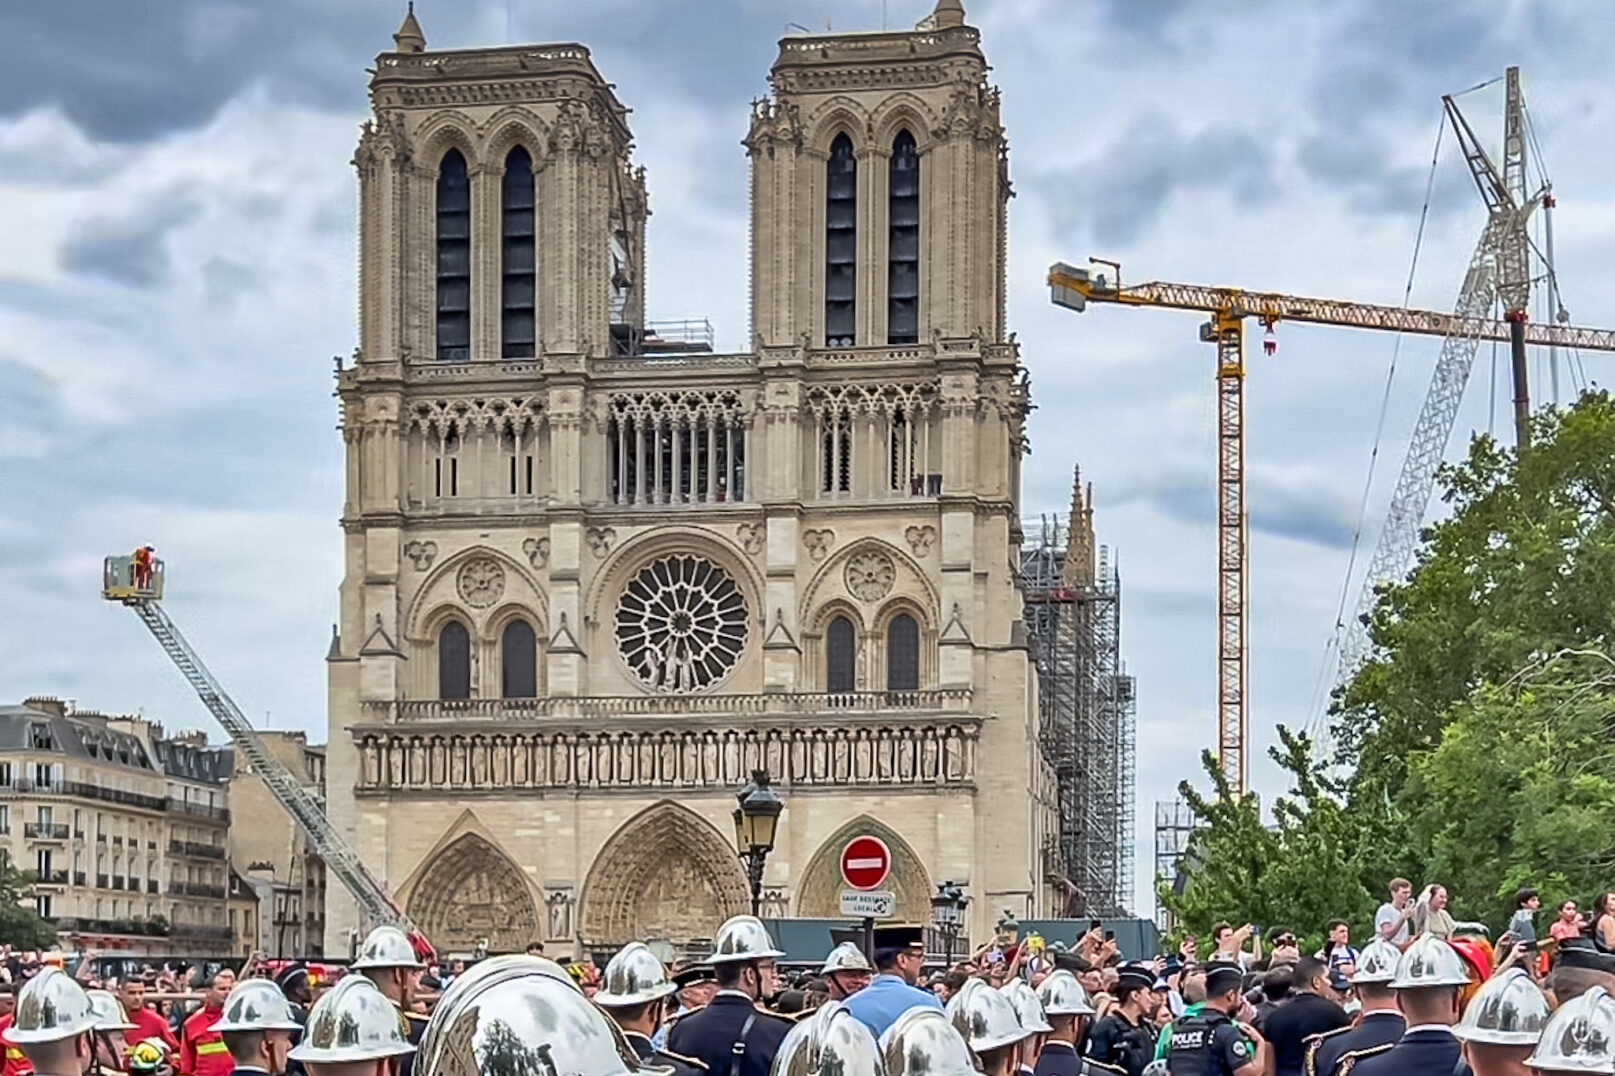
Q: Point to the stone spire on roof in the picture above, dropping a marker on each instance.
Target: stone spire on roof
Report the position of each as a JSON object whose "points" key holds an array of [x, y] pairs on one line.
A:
{"points": [[409, 37], [948, 13]]}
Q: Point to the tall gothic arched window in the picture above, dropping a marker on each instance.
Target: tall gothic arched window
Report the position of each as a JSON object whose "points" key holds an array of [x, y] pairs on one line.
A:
{"points": [[518, 661], [454, 661], [517, 256], [903, 253], [453, 258], [840, 657], [903, 654], [841, 244]]}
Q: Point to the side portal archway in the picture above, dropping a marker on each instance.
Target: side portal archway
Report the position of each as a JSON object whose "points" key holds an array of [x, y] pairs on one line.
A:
{"points": [[471, 891], [667, 873], [820, 894]]}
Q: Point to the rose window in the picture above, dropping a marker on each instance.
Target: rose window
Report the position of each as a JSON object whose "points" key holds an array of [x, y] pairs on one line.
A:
{"points": [[681, 624]]}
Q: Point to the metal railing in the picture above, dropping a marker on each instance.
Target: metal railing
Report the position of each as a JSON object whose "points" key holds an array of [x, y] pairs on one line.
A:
{"points": [[52, 878], [195, 849], [199, 810], [45, 831]]}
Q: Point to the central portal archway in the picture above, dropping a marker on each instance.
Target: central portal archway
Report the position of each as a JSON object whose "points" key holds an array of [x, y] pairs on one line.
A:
{"points": [[667, 873], [473, 893]]}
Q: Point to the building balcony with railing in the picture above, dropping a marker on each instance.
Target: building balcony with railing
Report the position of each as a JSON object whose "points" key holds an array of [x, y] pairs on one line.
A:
{"points": [[195, 849], [22, 786], [45, 831], [919, 739], [51, 878], [195, 889], [198, 810]]}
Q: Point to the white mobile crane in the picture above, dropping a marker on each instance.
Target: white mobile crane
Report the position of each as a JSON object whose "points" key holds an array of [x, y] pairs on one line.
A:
{"points": [[137, 582]]}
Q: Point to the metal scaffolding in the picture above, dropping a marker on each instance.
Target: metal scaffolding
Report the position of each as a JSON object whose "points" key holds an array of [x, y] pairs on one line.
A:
{"points": [[1087, 719], [1174, 826]]}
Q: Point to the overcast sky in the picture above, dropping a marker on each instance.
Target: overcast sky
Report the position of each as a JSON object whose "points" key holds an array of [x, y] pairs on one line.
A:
{"points": [[177, 271]]}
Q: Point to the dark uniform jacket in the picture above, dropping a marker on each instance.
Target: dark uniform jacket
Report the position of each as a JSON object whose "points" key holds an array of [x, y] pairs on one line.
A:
{"points": [[1289, 1026], [1420, 1052], [681, 1065], [1061, 1059], [712, 1035], [417, 1028], [1375, 1029], [1119, 1045], [1207, 1044]]}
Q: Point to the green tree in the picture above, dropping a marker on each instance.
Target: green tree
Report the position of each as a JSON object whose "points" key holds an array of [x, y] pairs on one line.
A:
{"points": [[20, 925]]}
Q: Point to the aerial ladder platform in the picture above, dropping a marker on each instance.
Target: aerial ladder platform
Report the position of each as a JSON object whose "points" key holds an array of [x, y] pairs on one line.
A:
{"points": [[137, 582]]}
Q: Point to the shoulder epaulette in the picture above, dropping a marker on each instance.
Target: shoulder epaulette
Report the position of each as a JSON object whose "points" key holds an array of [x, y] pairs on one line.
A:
{"points": [[1321, 1035], [791, 1019], [682, 1013], [1102, 1067], [694, 1062], [411, 1015], [1349, 1059]]}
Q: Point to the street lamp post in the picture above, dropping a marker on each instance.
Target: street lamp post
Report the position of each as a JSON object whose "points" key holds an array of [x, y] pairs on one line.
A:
{"points": [[948, 909], [756, 821]]}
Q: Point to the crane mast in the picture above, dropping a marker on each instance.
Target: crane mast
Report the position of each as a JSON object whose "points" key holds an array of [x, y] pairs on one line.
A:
{"points": [[124, 581], [1074, 288]]}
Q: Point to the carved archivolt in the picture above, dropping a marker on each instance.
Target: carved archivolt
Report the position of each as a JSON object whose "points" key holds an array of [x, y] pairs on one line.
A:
{"points": [[470, 893], [819, 893], [667, 873]]}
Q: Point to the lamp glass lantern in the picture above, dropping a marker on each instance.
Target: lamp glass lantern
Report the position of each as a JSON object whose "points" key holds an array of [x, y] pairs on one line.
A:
{"points": [[945, 906], [757, 816]]}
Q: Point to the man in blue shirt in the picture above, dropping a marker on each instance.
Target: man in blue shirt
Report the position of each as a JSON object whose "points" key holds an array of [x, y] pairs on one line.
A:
{"points": [[899, 955]]}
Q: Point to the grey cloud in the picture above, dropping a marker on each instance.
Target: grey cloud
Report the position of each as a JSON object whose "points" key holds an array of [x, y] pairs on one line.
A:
{"points": [[130, 250], [1279, 505]]}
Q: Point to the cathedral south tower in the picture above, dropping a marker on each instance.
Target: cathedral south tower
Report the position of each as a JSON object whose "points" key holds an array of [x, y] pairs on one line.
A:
{"points": [[595, 578]]}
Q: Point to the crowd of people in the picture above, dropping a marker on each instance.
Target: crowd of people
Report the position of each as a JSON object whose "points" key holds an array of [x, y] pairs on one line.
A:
{"points": [[1423, 998]]}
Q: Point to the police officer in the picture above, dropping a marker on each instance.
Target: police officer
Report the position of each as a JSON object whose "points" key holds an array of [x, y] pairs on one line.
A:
{"points": [[1502, 1023], [1211, 1043], [1029, 1010], [1124, 1041], [1578, 1038], [353, 1031], [257, 1028], [846, 971], [388, 959], [633, 992], [732, 1035], [1065, 1005], [988, 1023], [1379, 1022], [52, 1024], [1429, 977]]}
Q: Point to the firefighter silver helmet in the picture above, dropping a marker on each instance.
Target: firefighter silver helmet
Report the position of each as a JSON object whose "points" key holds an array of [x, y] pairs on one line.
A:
{"points": [[1429, 962], [846, 957], [633, 977], [1062, 995], [984, 1017], [1028, 1007], [1377, 963], [109, 1014], [354, 1022], [1507, 1010], [386, 947], [1579, 1036], [743, 938], [51, 1006], [923, 1042], [256, 1005], [830, 1042]]}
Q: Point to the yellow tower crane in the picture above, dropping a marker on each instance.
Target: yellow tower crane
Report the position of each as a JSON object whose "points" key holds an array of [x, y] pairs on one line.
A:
{"points": [[1074, 288]]}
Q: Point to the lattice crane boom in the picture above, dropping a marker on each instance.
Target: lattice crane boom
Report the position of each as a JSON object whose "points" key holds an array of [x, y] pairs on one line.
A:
{"points": [[123, 582], [1075, 287]]}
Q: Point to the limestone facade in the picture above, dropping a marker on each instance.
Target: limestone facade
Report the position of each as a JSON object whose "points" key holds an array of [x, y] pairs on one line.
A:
{"points": [[593, 581]]}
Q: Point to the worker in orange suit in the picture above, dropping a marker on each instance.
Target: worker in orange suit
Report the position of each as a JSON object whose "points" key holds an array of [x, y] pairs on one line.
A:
{"points": [[16, 1062], [143, 560], [202, 1051]]}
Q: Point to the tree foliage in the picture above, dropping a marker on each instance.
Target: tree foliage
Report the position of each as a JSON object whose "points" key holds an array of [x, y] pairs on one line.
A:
{"points": [[1477, 740], [21, 926]]}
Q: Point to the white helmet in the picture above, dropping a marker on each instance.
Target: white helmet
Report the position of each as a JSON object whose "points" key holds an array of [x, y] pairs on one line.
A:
{"points": [[386, 947], [922, 1042], [50, 1007], [1508, 1010], [1062, 995], [354, 1022], [743, 938], [830, 1042], [633, 977], [1028, 1006], [109, 1014], [1579, 1037], [984, 1017], [1377, 963], [846, 957], [256, 1005], [1428, 962]]}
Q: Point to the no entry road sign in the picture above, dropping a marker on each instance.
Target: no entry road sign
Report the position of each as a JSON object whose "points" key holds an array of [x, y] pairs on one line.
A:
{"points": [[865, 862]]}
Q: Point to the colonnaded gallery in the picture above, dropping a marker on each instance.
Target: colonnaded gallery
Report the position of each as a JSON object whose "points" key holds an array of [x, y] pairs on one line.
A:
{"points": [[596, 573]]}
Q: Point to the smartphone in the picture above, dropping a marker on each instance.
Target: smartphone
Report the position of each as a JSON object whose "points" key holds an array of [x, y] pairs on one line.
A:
{"points": [[1094, 924], [1110, 935]]}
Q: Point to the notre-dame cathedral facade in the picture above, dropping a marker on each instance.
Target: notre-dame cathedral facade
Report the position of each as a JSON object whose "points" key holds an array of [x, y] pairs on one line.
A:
{"points": [[594, 578]]}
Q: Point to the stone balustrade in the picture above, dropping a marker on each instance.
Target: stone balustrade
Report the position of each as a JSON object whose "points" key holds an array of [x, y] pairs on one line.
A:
{"points": [[501, 711], [497, 751]]}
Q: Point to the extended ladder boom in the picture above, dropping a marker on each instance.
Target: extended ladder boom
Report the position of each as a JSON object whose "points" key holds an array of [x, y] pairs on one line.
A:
{"points": [[375, 902]]}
